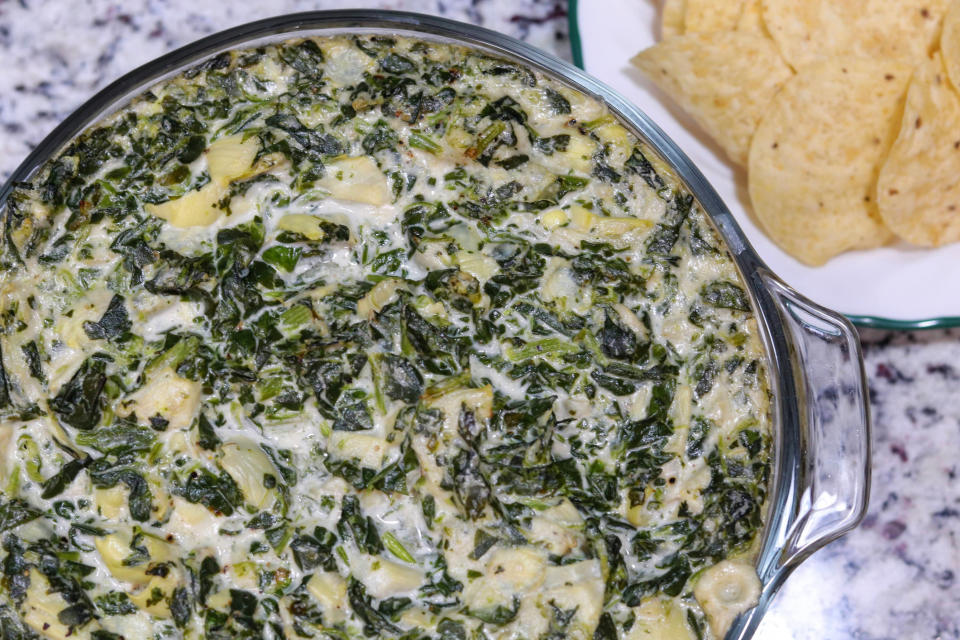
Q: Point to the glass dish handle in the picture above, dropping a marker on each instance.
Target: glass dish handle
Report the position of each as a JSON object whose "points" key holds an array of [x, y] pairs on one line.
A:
{"points": [[828, 489], [834, 484]]}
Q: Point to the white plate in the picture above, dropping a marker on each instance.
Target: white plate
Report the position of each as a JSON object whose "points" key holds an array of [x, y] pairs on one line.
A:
{"points": [[893, 287]]}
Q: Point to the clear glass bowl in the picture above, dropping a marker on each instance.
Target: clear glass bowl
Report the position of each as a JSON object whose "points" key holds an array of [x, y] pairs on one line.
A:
{"points": [[821, 479]]}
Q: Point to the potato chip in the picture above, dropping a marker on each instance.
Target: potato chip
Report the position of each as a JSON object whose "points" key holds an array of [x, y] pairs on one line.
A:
{"points": [[671, 18], [701, 16], [724, 79], [811, 30], [751, 18], [950, 42], [815, 156], [918, 193]]}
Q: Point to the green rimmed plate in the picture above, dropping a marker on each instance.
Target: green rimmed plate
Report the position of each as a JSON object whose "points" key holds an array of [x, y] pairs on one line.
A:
{"points": [[896, 287]]}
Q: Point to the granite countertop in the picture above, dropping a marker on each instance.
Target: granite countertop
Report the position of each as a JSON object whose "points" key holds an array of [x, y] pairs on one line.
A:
{"points": [[892, 578], [895, 577]]}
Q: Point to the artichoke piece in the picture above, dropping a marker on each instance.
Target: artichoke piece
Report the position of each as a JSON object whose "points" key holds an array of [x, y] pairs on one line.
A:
{"points": [[193, 209], [357, 179], [587, 222], [662, 619], [310, 227], [111, 502], [228, 159], [251, 469], [42, 607], [231, 158], [726, 590], [155, 596], [553, 218], [128, 559], [169, 396], [479, 265], [391, 578], [579, 153], [578, 586], [369, 450], [380, 296], [330, 589]]}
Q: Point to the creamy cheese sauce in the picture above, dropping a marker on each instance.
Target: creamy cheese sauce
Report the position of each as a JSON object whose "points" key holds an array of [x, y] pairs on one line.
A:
{"points": [[373, 337]]}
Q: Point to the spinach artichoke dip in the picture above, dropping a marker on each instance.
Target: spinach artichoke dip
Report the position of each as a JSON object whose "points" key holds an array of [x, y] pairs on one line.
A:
{"points": [[358, 337]]}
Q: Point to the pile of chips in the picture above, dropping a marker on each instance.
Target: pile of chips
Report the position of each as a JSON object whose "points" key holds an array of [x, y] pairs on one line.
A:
{"points": [[845, 113]]}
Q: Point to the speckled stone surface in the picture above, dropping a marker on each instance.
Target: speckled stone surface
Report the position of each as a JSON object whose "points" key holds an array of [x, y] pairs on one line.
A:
{"points": [[893, 578]]}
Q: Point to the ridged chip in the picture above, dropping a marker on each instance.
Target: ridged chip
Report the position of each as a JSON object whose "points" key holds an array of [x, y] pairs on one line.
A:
{"points": [[918, 191], [724, 79], [816, 154], [950, 42], [701, 16], [671, 18], [811, 30]]}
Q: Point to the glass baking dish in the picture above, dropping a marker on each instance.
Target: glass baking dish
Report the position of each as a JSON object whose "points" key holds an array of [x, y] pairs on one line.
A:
{"points": [[821, 472]]}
